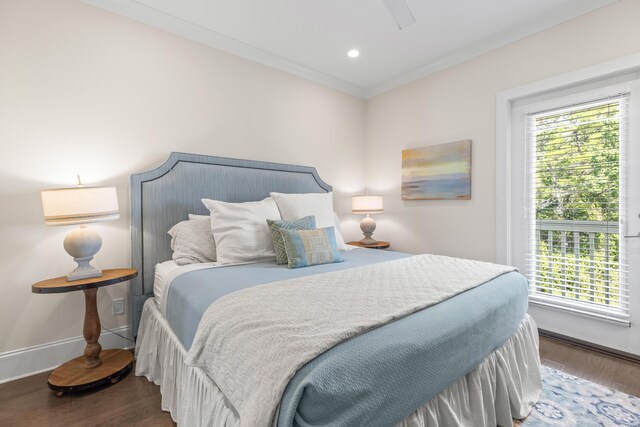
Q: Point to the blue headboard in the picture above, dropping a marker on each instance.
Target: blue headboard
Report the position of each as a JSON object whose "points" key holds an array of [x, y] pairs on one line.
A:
{"points": [[166, 195]]}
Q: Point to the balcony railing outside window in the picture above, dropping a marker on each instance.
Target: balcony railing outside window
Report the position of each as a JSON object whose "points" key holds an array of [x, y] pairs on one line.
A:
{"points": [[574, 261]]}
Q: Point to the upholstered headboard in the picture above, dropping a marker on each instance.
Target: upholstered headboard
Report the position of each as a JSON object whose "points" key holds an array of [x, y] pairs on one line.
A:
{"points": [[162, 197]]}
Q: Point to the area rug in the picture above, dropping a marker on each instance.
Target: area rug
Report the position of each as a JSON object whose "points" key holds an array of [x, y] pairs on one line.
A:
{"points": [[568, 401]]}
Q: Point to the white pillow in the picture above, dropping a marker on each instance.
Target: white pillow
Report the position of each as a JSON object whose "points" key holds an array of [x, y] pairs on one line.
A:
{"points": [[240, 230], [192, 242], [196, 216], [320, 205], [338, 232]]}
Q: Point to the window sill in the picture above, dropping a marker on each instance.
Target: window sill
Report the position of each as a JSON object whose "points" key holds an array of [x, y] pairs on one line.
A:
{"points": [[580, 309]]}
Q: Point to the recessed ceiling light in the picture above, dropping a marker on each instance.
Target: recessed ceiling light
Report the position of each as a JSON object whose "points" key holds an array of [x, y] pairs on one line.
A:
{"points": [[353, 53]]}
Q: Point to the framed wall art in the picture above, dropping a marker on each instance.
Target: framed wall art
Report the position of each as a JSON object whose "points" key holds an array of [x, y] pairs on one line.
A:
{"points": [[437, 172]]}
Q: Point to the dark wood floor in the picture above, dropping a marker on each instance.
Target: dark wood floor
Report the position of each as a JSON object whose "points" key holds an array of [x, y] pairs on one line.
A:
{"points": [[600, 368], [135, 401]]}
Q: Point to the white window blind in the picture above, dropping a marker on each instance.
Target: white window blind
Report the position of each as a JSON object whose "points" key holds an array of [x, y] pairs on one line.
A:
{"points": [[575, 196]]}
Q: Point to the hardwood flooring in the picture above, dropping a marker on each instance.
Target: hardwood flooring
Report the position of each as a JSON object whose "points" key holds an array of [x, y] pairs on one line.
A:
{"points": [[609, 371], [136, 402]]}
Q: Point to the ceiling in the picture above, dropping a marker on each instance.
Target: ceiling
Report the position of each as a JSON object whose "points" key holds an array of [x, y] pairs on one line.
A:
{"points": [[311, 38]]}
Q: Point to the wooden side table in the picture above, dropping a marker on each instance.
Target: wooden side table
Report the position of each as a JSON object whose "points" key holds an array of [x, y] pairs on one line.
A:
{"points": [[96, 367], [379, 245]]}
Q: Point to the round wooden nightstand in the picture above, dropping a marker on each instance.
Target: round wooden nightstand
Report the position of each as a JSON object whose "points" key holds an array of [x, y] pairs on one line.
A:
{"points": [[379, 245], [96, 368]]}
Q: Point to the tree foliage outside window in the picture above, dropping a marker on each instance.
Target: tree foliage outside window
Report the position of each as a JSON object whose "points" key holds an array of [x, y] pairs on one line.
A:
{"points": [[577, 176]]}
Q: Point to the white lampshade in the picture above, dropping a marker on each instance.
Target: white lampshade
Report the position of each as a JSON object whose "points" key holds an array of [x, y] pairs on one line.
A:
{"points": [[79, 205], [366, 204]]}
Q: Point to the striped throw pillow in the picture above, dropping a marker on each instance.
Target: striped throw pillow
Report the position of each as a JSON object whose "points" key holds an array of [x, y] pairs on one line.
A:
{"points": [[306, 223]]}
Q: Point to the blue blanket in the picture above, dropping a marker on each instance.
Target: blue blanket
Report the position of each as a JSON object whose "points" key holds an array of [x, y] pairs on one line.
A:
{"points": [[190, 294], [382, 376]]}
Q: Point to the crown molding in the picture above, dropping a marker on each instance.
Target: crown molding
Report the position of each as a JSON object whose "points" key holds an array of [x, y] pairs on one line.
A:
{"points": [[555, 17], [168, 22], [165, 21]]}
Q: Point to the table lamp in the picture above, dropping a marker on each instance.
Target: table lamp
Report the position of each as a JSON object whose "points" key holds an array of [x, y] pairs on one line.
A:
{"points": [[81, 205], [367, 205]]}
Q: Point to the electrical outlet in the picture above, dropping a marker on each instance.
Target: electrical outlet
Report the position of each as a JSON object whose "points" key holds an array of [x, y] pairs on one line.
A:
{"points": [[118, 306]]}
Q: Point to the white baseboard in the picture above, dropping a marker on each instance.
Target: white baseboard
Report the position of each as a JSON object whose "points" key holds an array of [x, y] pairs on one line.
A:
{"points": [[28, 361]]}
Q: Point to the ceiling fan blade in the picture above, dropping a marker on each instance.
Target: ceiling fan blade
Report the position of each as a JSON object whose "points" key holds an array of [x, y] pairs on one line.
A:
{"points": [[400, 12]]}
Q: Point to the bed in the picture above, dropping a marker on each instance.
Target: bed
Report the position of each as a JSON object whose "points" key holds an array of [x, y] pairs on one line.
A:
{"points": [[470, 359]]}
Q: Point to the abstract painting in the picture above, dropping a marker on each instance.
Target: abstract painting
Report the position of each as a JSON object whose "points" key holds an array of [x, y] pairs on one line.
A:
{"points": [[438, 172]]}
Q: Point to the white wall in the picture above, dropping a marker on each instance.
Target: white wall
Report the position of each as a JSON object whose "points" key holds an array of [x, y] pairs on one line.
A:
{"points": [[84, 91], [459, 103], [89, 92]]}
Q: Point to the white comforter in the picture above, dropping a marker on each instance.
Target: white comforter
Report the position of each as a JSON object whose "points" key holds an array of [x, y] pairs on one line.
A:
{"points": [[253, 341]]}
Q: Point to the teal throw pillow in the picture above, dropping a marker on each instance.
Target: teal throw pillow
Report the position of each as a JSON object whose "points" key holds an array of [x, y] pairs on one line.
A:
{"points": [[306, 223], [310, 247]]}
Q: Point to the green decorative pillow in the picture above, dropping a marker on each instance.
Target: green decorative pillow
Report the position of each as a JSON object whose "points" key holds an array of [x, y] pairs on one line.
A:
{"points": [[310, 247], [306, 223]]}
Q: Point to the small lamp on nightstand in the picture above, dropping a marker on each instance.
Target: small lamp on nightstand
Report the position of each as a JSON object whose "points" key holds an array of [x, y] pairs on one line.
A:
{"points": [[81, 205], [367, 205]]}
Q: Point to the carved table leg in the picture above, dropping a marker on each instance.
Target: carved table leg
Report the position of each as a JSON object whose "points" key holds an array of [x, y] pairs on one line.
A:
{"points": [[91, 330]]}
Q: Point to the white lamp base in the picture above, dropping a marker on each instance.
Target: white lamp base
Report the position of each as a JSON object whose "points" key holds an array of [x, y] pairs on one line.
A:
{"points": [[368, 225], [82, 244]]}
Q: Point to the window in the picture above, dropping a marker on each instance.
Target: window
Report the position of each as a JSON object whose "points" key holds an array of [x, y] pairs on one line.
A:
{"points": [[575, 205], [567, 195]]}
